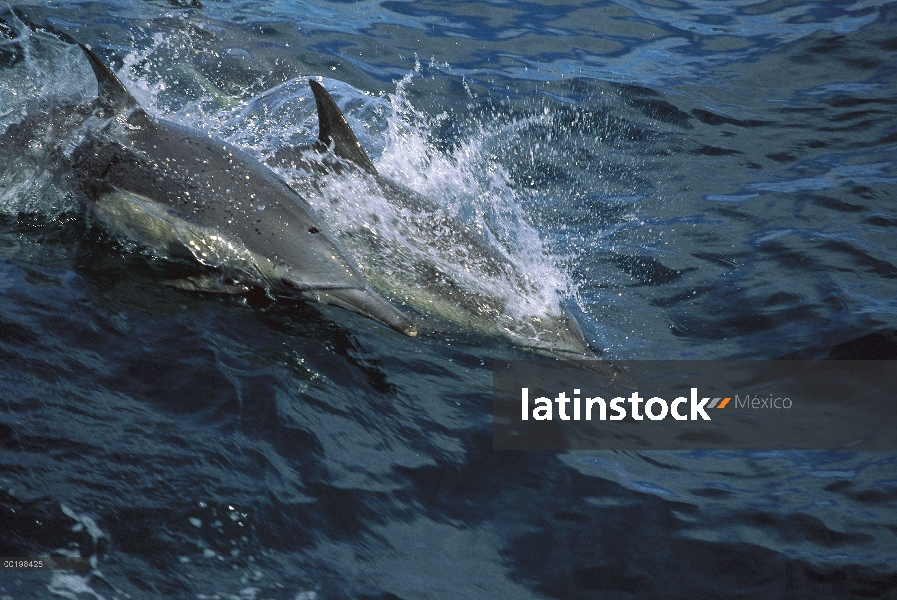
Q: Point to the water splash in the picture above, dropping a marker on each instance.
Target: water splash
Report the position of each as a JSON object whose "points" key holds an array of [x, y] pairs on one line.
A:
{"points": [[42, 74]]}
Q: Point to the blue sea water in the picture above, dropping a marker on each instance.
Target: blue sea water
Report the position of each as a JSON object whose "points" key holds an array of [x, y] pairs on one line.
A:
{"points": [[706, 180]]}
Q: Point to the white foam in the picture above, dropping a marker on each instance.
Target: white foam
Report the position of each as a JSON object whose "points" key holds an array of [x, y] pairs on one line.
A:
{"points": [[83, 521], [72, 586]]}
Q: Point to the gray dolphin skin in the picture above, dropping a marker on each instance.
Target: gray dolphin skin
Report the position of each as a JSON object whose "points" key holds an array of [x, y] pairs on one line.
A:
{"points": [[162, 184]]}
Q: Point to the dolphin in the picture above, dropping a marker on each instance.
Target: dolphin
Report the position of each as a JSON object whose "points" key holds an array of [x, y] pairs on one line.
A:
{"points": [[425, 285], [168, 186]]}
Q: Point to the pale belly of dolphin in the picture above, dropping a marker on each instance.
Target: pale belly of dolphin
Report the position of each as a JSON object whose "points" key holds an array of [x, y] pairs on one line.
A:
{"points": [[159, 228], [475, 302]]}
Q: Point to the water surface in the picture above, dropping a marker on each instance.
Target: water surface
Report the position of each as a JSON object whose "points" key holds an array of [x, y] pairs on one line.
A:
{"points": [[693, 179]]}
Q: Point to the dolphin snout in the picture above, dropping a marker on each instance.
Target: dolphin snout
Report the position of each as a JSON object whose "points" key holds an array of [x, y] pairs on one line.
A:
{"points": [[368, 303]]}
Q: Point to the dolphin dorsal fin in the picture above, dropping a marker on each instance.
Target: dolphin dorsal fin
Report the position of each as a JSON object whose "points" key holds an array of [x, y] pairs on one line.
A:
{"points": [[112, 93], [334, 131]]}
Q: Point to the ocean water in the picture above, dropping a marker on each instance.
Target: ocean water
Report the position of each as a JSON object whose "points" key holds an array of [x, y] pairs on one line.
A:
{"points": [[693, 180]]}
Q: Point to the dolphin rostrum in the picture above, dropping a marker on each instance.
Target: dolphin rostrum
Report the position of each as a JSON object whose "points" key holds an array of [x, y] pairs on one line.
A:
{"points": [[162, 184]]}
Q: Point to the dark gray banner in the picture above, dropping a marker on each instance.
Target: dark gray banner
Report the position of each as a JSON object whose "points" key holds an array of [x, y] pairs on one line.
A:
{"points": [[690, 405]]}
